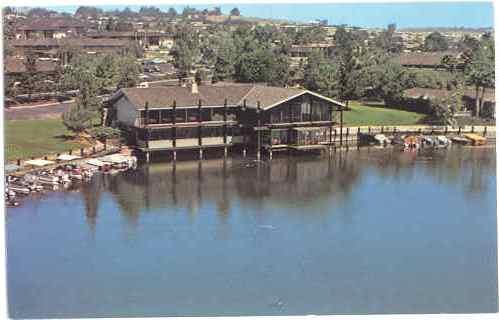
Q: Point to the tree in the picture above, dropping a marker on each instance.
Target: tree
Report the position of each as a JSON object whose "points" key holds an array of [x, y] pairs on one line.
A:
{"points": [[386, 41], [217, 11], [86, 12], [450, 62], [349, 48], [479, 72], [435, 42], [150, 11], [79, 116], [225, 59], [30, 81], [172, 13], [106, 71], [185, 52], [128, 73], [40, 13], [320, 75], [385, 79], [235, 12], [279, 70]]}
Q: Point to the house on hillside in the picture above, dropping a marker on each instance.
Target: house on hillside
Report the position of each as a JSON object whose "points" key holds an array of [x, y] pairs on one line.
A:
{"points": [[49, 28], [221, 116], [49, 48], [145, 39], [427, 60]]}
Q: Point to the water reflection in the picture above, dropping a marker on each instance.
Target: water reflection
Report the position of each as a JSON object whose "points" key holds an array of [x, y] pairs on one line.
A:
{"points": [[284, 182]]}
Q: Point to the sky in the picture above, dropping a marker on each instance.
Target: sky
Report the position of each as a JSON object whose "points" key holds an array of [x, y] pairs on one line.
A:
{"points": [[371, 15]]}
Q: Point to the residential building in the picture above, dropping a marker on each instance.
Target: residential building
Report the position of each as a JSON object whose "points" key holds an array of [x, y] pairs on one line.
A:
{"points": [[199, 117]]}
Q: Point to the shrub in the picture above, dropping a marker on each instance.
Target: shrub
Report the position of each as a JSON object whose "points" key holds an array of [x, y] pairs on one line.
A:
{"points": [[103, 133]]}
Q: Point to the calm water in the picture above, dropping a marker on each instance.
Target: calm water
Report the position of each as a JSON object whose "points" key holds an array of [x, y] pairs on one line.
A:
{"points": [[370, 231]]}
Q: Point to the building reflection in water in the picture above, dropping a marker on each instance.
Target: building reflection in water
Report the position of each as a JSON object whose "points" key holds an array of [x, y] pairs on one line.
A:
{"points": [[287, 182]]}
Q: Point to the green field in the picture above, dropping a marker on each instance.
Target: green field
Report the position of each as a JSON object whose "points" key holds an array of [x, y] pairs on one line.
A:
{"points": [[36, 138], [361, 115]]}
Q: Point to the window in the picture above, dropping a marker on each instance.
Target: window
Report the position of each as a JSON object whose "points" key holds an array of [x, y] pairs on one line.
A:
{"points": [[218, 114], [305, 110], [166, 116], [153, 116], [164, 134], [192, 115], [180, 116], [187, 133]]}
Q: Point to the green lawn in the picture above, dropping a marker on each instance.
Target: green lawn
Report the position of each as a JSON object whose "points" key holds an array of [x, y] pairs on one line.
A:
{"points": [[36, 138], [361, 115]]}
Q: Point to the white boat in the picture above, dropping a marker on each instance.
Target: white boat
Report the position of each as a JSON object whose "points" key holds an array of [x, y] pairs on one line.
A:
{"points": [[443, 141], [382, 139]]}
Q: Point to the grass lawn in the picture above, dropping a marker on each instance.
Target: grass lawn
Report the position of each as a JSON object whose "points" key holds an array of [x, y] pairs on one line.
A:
{"points": [[362, 115], [36, 138]]}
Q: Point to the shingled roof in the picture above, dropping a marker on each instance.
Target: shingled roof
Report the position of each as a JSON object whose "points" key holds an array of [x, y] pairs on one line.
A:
{"points": [[13, 65], [163, 97], [428, 59], [49, 24], [426, 93], [82, 42]]}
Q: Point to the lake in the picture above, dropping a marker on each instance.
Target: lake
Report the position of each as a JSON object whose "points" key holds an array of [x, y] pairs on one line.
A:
{"points": [[368, 231]]}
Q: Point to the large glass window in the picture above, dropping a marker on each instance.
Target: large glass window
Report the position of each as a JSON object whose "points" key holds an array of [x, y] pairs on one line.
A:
{"points": [[296, 112], [153, 116], [212, 131], [164, 134], [218, 114], [305, 110], [187, 133], [192, 115], [166, 116], [180, 116]]}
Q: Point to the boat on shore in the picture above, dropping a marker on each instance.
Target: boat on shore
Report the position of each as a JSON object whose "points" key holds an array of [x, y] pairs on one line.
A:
{"points": [[63, 175], [475, 139]]}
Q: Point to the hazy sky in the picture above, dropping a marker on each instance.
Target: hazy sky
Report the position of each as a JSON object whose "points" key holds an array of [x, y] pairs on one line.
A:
{"points": [[443, 14]]}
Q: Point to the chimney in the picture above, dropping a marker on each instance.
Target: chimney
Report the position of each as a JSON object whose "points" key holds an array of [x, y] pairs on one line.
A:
{"points": [[194, 87]]}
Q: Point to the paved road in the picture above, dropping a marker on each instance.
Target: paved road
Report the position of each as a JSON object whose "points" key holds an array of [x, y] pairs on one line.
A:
{"points": [[47, 111]]}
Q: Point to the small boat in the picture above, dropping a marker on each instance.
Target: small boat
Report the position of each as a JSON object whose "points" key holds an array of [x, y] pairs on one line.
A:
{"points": [[19, 189], [443, 141], [381, 139], [460, 140], [476, 139], [428, 141], [411, 142], [48, 179]]}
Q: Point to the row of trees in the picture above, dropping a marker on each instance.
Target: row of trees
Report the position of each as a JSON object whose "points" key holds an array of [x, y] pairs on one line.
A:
{"points": [[152, 11]]}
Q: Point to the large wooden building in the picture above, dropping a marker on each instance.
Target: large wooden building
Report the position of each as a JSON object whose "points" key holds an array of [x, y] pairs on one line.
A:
{"points": [[254, 117]]}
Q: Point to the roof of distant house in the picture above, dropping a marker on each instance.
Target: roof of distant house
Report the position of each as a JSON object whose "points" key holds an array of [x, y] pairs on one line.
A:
{"points": [[212, 95], [13, 65], [425, 93], [81, 42], [49, 24], [423, 58]]}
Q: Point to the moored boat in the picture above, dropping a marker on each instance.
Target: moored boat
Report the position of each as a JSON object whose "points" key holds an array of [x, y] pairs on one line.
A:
{"points": [[476, 139], [460, 140]]}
